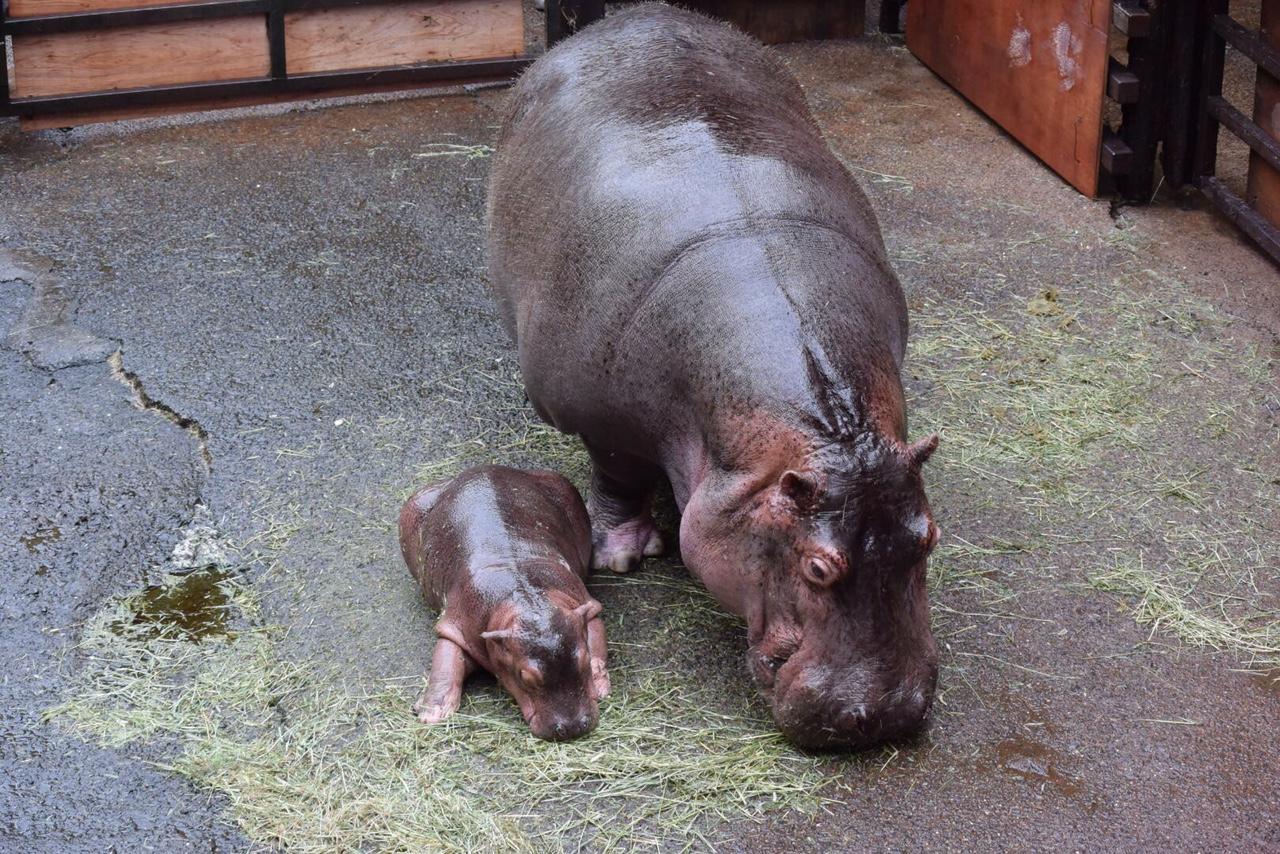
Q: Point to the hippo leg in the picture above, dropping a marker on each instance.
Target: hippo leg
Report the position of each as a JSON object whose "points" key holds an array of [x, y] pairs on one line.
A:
{"points": [[622, 528], [599, 655], [449, 668]]}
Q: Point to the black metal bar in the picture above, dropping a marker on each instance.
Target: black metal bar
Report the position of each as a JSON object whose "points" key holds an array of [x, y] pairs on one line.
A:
{"points": [[305, 83], [1123, 85], [4, 61], [891, 16], [275, 38], [1247, 42], [566, 17], [80, 21], [1116, 156], [307, 5], [1187, 35], [1131, 19], [4, 72], [1142, 119], [1239, 124], [1212, 63], [1252, 223]]}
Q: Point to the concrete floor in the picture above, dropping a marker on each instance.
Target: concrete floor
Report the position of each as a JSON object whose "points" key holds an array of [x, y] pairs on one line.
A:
{"points": [[298, 299]]}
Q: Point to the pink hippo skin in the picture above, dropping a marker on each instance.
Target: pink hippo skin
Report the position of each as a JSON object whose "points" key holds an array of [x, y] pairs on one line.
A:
{"points": [[502, 554], [699, 289]]}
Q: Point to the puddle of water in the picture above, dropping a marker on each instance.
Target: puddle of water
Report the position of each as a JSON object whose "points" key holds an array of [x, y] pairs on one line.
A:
{"points": [[40, 537], [1035, 763], [195, 606]]}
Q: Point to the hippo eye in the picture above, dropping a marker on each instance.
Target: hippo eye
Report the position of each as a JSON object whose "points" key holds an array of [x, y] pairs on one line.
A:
{"points": [[931, 539], [531, 677], [819, 571], [925, 532]]}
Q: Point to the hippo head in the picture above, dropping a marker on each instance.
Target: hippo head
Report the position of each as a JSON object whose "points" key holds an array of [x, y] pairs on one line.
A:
{"points": [[826, 559], [541, 657]]}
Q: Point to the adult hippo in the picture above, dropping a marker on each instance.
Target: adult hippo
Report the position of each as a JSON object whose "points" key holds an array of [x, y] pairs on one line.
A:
{"points": [[699, 289]]}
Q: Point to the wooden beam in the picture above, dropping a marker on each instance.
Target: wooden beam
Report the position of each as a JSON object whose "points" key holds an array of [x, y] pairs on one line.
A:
{"points": [[135, 57], [405, 33], [1263, 134], [27, 8], [1246, 218]]}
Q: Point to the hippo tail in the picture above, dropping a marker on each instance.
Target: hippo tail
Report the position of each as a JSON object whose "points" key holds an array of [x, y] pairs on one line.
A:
{"points": [[412, 515]]}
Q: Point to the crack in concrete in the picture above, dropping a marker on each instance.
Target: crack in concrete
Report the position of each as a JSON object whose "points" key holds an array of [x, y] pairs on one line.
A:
{"points": [[142, 400]]}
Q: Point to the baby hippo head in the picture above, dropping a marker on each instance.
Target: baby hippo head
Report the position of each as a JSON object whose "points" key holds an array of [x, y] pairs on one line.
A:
{"points": [[541, 656]]}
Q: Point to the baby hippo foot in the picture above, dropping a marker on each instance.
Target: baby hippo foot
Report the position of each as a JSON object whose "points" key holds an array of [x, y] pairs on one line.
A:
{"points": [[621, 547], [432, 710], [599, 679]]}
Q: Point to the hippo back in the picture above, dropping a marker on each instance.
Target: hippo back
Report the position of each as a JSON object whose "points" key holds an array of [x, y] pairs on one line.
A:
{"points": [[492, 529], [663, 205]]}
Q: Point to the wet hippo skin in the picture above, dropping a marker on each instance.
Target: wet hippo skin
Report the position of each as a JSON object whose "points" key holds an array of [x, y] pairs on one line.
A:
{"points": [[502, 554], [699, 289]]}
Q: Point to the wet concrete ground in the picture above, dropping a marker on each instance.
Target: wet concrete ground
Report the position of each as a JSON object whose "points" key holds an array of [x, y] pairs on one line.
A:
{"points": [[298, 302]]}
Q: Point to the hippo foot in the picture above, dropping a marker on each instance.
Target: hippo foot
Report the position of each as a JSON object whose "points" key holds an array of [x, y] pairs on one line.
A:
{"points": [[432, 711], [621, 548], [599, 679]]}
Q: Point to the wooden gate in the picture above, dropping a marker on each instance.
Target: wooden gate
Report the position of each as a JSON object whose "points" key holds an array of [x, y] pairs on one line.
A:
{"points": [[70, 61], [1045, 69], [1258, 214], [1038, 69]]}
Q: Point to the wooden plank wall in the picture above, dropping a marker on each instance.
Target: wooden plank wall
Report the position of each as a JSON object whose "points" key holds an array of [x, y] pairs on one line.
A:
{"points": [[402, 34], [1038, 69], [27, 8], [379, 35], [130, 57], [1264, 181]]}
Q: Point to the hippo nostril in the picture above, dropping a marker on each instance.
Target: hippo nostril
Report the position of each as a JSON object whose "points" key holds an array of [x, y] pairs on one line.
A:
{"points": [[852, 718], [921, 702]]}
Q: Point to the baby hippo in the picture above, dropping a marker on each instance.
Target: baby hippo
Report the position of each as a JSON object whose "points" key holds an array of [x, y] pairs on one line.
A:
{"points": [[502, 554]]}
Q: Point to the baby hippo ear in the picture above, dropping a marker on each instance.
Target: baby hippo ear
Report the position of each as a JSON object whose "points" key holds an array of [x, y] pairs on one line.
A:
{"points": [[588, 610], [799, 486], [498, 634], [919, 452]]}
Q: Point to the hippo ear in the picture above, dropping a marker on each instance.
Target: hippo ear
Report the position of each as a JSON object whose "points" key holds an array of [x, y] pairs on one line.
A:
{"points": [[588, 610], [800, 487], [919, 452], [498, 634]]}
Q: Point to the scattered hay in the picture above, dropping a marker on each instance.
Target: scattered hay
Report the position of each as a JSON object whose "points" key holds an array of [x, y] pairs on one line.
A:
{"points": [[477, 151], [1031, 400], [1104, 423], [314, 765], [1169, 608], [1058, 405]]}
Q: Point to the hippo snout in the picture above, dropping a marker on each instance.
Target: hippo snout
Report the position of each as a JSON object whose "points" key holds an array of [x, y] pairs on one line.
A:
{"points": [[563, 727], [817, 713]]}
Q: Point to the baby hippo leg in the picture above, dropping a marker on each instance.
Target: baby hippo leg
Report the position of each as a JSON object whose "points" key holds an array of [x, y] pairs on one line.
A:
{"points": [[449, 668], [596, 647]]}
